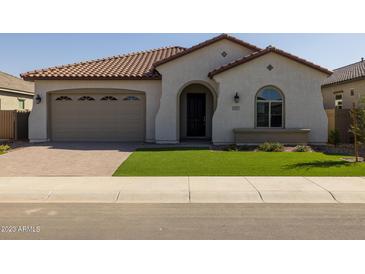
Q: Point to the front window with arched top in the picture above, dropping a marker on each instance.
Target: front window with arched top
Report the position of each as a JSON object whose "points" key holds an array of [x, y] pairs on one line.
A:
{"points": [[269, 108]]}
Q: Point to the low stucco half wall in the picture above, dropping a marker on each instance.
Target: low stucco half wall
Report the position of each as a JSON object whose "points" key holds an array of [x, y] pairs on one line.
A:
{"points": [[39, 117], [258, 136]]}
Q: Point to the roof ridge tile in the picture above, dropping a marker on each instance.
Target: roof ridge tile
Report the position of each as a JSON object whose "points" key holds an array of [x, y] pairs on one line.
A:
{"points": [[349, 65]]}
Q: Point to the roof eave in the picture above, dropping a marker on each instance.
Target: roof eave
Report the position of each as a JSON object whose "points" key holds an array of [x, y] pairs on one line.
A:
{"points": [[344, 81], [34, 78], [17, 91]]}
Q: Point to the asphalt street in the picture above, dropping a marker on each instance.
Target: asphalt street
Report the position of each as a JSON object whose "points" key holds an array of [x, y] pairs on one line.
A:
{"points": [[182, 221]]}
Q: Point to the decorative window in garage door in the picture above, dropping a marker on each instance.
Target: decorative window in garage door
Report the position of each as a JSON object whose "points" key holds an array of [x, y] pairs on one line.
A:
{"points": [[86, 98], [131, 98], [63, 98], [108, 98]]}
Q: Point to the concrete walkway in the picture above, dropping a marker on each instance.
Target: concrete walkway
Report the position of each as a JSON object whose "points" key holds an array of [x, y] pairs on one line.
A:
{"points": [[183, 189]]}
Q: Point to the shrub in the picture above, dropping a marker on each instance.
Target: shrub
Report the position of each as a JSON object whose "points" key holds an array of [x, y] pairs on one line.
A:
{"points": [[231, 148], [4, 148], [301, 148], [271, 147], [238, 148], [334, 137]]}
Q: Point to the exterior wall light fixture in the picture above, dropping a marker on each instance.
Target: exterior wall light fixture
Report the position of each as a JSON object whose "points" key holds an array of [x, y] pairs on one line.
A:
{"points": [[38, 99], [236, 98]]}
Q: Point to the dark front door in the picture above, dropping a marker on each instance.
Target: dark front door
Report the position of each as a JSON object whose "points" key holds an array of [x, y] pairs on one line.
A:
{"points": [[195, 114]]}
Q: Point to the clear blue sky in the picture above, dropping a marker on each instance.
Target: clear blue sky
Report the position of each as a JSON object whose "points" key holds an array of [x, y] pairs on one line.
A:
{"points": [[23, 52]]}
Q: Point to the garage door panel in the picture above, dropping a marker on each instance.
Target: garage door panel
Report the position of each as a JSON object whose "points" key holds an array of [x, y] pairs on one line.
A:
{"points": [[98, 120]]}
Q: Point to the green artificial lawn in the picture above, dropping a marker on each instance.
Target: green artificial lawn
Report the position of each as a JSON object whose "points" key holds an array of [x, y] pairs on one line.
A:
{"points": [[205, 162]]}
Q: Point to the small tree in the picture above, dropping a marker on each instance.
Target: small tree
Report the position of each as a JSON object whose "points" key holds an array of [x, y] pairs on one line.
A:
{"points": [[357, 127]]}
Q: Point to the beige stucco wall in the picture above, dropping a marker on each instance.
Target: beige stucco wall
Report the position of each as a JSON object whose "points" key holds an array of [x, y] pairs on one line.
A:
{"points": [[347, 100], [300, 84], [191, 68], [9, 101], [38, 120]]}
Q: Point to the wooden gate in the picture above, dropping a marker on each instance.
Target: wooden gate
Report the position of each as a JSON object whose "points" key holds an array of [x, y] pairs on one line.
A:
{"points": [[343, 123], [7, 124], [340, 119], [13, 125], [21, 131]]}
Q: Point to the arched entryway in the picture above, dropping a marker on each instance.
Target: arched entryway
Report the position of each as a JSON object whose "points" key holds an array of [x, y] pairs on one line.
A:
{"points": [[196, 112]]}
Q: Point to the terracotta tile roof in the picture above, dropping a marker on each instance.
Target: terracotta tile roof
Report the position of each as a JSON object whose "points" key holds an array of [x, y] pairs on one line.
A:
{"points": [[132, 66], [207, 43], [348, 73], [14, 84], [263, 52]]}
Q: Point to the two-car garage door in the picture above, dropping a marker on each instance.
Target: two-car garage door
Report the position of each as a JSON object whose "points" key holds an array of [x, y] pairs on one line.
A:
{"points": [[98, 117]]}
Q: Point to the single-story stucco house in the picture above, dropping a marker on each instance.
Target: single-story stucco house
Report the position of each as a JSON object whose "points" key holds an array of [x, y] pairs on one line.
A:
{"points": [[224, 90], [15, 93]]}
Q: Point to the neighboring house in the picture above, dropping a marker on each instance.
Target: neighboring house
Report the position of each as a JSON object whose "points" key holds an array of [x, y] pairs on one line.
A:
{"points": [[345, 86], [15, 93], [341, 91], [224, 90]]}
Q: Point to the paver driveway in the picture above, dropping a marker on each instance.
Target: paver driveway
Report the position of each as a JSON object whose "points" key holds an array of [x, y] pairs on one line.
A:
{"points": [[65, 159]]}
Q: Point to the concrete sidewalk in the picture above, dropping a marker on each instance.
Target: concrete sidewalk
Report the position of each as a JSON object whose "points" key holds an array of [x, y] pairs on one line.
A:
{"points": [[183, 189]]}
